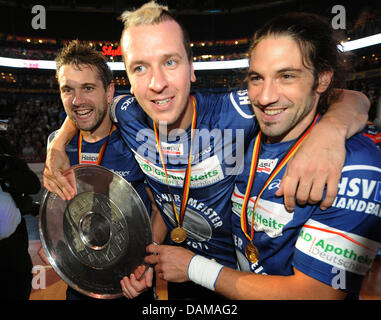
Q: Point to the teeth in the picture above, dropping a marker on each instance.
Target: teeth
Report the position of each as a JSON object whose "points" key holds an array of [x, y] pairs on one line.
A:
{"points": [[83, 112], [161, 102], [272, 112]]}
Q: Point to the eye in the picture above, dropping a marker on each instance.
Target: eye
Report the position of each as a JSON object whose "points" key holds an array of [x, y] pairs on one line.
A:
{"points": [[139, 69], [254, 78], [88, 88], [170, 63], [288, 76], [66, 90]]}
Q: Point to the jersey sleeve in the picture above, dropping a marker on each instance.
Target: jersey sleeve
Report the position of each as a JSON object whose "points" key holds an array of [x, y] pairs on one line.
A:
{"points": [[338, 246], [231, 111], [51, 137], [125, 108]]}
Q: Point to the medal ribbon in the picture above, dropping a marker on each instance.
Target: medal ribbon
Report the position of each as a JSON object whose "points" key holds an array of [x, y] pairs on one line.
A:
{"points": [[187, 178], [101, 152], [253, 169]]}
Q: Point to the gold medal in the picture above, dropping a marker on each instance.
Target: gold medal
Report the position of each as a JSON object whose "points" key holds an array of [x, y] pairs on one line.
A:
{"points": [[251, 253], [178, 235]]}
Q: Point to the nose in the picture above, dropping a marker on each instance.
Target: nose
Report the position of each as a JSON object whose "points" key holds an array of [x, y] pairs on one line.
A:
{"points": [[79, 98], [268, 93], [158, 80]]}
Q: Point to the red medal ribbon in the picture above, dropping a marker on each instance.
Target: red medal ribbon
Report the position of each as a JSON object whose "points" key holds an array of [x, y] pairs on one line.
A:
{"points": [[101, 152], [253, 169], [187, 178]]}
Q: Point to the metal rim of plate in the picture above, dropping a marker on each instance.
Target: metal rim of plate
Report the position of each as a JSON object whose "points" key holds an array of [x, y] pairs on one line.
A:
{"points": [[99, 236]]}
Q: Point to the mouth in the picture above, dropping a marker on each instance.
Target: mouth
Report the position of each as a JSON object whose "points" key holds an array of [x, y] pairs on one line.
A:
{"points": [[162, 103], [272, 112], [83, 113]]}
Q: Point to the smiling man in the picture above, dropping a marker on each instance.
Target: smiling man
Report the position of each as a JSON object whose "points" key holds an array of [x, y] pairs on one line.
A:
{"points": [[86, 88], [309, 253], [160, 71], [185, 143]]}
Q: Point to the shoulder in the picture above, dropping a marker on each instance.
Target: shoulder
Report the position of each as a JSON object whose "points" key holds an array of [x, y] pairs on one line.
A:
{"points": [[125, 107], [360, 150], [52, 136], [233, 103], [118, 145]]}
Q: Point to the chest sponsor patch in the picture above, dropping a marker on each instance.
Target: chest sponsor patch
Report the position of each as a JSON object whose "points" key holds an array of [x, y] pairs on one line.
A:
{"points": [[89, 158], [203, 174], [270, 217], [338, 248], [266, 165], [172, 148]]}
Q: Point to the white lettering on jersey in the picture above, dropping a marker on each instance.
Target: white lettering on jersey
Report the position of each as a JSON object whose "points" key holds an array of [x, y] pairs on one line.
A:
{"points": [[356, 187], [121, 173], [243, 100]]}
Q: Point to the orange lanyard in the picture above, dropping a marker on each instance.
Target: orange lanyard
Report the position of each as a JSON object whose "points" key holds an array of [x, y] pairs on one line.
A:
{"points": [[187, 178], [101, 152], [253, 169]]}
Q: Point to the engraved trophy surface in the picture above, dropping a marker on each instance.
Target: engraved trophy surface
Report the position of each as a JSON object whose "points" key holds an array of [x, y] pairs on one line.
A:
{"points": [[99, 236]]}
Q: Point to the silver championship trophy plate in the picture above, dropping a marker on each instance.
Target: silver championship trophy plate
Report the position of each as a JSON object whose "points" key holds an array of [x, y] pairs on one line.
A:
{"points": [[98, 237]]}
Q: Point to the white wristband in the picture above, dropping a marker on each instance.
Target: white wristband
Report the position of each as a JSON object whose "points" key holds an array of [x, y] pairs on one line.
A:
{"points": [[204, 271]]}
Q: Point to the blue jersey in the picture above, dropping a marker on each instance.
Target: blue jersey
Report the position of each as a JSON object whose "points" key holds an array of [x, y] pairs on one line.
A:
{"points": [[224, 123], [336, 246], [117, 157], [372, 132]]}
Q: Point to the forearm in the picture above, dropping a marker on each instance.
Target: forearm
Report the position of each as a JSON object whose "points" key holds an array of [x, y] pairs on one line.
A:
{"points": [[64, 135], [240, 285], [159, 228], [349, 114], [57, 163]]}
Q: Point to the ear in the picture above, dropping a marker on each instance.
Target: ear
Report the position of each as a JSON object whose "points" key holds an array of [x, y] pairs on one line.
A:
{"points": [[192, 76], [325, 79], [125, 67], [131, 88], [110, 92]]}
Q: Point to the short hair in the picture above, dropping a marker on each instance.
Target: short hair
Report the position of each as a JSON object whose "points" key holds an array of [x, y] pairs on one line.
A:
{"points": [[317, 44], [153, 13], [79, 53]]}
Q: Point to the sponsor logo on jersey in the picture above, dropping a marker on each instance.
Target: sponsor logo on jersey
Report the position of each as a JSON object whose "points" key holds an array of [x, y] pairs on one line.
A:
{"points": [[203, 174], [266, 165], [121, 173], [338, 248], [126, 103], [89, 158], [270, 217], [355, 194], [172, 148], [226, 144]]}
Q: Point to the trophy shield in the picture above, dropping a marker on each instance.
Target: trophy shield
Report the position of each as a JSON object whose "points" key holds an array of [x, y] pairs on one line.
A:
{"points": [[98, 237]]}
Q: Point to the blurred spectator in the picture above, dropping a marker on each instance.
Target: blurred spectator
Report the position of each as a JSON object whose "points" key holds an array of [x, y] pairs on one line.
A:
{"points": [[28, 149]]}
